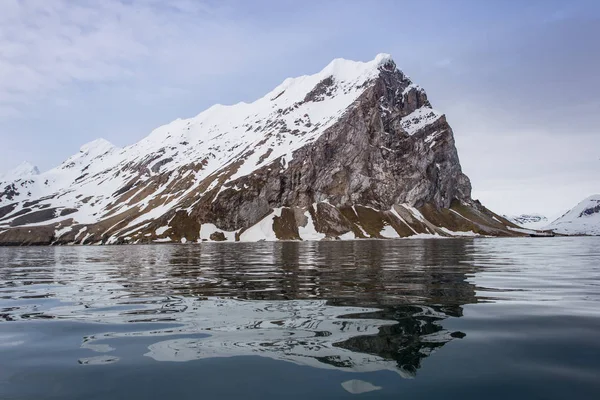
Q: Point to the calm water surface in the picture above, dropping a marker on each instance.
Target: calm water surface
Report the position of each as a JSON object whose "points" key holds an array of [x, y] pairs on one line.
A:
{"points": [[410, 319]]}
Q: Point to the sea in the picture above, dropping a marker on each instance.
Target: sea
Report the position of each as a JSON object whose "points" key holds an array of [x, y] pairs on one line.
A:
{"points": [[465, 318]]}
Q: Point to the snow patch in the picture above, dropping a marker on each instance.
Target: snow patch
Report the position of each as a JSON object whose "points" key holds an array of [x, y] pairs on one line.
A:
{"points": [[348, 236], [459, 233], [61, 231], [208, 229], [419, 119], [309, 232], [263, 230], [389, 232], [425, 236], [161, 230], [393, 210]]}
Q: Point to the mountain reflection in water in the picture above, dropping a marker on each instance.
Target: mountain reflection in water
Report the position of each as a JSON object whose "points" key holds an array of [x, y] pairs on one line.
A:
{"points": [[354, 306]]}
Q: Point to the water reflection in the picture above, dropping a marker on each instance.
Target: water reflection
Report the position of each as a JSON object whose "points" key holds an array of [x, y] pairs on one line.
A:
{"points": [[355, 306]]}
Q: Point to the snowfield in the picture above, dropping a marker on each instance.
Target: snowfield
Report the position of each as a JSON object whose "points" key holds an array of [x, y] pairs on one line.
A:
{"points": [[583, 219]]}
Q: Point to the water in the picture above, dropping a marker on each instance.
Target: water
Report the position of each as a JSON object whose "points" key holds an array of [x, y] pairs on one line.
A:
{"points": [[472, 318]]}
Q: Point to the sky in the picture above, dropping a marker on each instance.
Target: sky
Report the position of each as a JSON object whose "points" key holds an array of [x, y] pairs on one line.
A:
{"points": [[519, 81]]}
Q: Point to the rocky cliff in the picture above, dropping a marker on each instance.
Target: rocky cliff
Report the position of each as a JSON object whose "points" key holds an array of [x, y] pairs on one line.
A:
{"points": [[354, 151]]}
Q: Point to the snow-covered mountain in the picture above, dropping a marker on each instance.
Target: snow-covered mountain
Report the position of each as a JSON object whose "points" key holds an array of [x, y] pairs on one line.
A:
{"points": [[355, 150], [529, 221], [583, 219], [23, 171]]}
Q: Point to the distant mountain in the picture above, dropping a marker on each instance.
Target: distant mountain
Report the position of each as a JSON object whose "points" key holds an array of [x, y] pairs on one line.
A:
{"points": [[529, 221], [354, 151], [583, 219], [22, 171]]}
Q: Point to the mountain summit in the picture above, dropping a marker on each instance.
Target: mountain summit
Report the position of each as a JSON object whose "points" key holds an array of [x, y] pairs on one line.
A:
{"points": [[354, 151]]}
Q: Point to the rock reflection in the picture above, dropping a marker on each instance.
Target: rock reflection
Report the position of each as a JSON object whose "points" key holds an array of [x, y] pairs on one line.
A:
{"points": [[416, 335], [310, 333], [356, 306]]}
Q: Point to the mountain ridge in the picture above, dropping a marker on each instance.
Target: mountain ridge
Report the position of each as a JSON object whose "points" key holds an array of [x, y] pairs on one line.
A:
{"points": [[583, 219], [355, 149], [529, 221]]}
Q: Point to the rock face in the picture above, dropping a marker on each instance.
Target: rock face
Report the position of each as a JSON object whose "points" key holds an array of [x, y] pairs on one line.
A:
{"points": [[583, 219], [354, 151]]}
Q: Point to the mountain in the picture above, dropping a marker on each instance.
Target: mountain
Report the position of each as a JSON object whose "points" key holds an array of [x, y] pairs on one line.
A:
{"points": [[529, 221], [583, 219], [22, 171], [354, 151]]}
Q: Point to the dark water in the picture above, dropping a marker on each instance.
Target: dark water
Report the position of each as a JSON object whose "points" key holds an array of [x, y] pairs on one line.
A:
{"points": [[410, 319]]}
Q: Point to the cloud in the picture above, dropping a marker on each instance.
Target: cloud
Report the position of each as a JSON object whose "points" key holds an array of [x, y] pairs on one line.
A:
{"points": [[528, 170], [8, 112], [44, 45], [47, 45]]}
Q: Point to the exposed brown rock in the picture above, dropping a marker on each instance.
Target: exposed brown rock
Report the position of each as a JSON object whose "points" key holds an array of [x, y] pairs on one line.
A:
{"points": [[218, 237], [5, 210], [40, 235], [35, 217], [285, 226]]}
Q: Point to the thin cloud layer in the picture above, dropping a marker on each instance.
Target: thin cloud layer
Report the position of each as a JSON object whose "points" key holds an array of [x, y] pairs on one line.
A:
{"points": [[46, 46]]}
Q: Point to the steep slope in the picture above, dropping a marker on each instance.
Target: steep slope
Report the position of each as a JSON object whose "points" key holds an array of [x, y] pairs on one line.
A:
{"points": [[583, 219], [355, 150], [529, 221]]}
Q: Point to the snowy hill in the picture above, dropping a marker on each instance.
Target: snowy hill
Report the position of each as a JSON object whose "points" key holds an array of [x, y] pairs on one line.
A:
{"points": [[24, 170], [583, 219], [355, 150], [529, 221]]}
